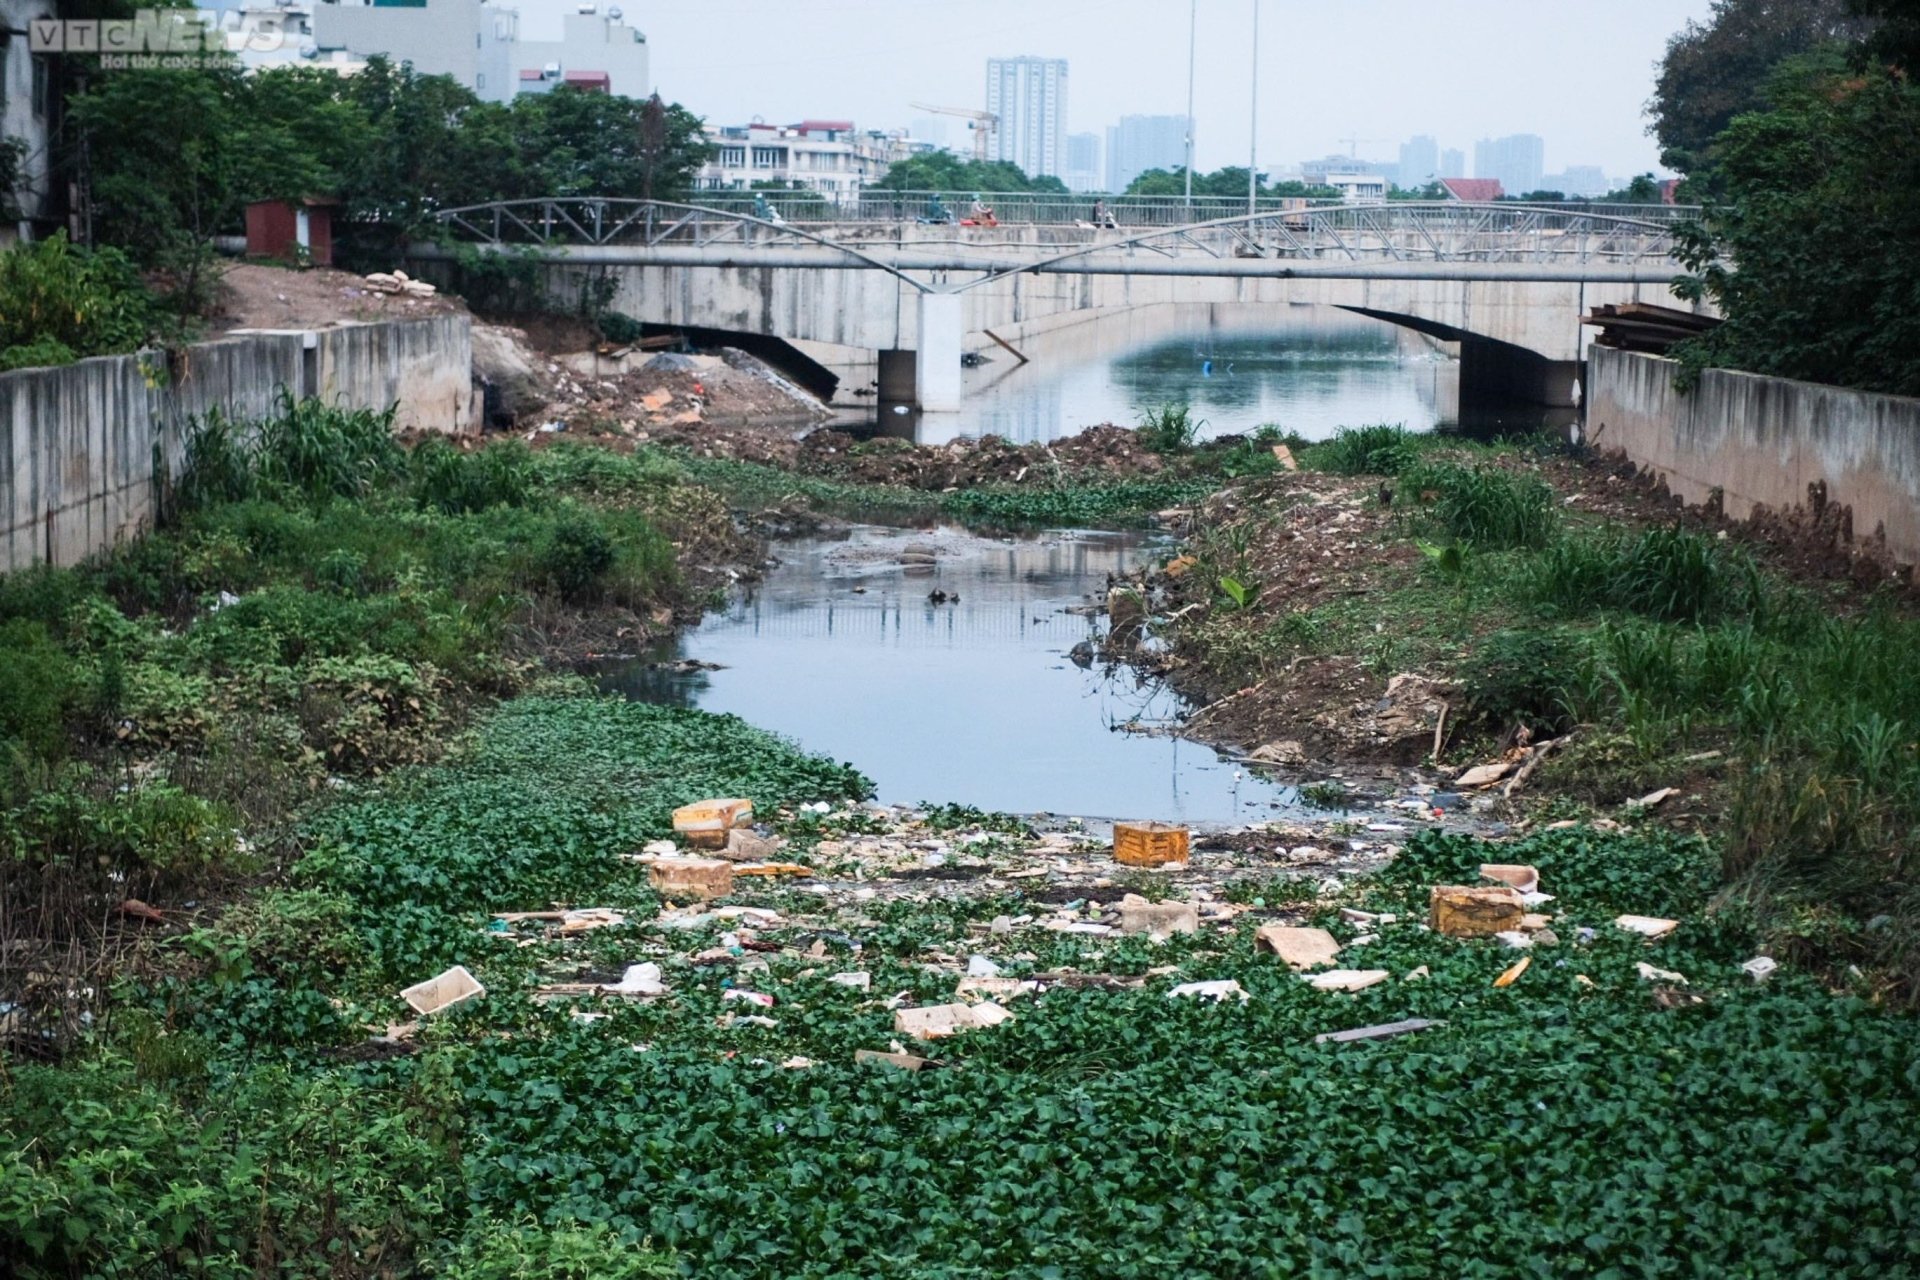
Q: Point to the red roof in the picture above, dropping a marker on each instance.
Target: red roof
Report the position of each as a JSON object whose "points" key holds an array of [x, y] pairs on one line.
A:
{"points": [[591, 80], [824, 126], [1476, 190]]}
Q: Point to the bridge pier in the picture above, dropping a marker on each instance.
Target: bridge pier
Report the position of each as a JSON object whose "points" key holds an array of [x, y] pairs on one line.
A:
{"points": [[1496, 372], [936, 366]]}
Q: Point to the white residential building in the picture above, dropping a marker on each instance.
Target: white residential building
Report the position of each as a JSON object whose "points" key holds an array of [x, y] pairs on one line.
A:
{"points": [[1354, 188], [828, 156], [476, 42], [594, 51], [470, 40], [1029, 95]]}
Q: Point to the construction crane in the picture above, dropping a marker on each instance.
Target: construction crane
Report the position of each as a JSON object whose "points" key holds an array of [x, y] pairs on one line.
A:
{"points": [[983, 124], [1353, 145]]}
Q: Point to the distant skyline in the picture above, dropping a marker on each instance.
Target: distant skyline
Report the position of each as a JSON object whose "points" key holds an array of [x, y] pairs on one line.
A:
{"points": [[1380, 70]]}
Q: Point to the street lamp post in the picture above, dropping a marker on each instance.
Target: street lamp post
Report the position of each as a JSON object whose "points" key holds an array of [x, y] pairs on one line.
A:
{"points": [[1193, 26], [1253, 124]]}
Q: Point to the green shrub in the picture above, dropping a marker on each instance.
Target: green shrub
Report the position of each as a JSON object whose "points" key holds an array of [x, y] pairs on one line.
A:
{"points": [[1520, 677], [87, 824], [1484, 505], [1383, 449], [455, 483], [494, 1250], [1669, 574], [576, 556], [57, 301], [39, 686], [311, 448], [1171, 428]]}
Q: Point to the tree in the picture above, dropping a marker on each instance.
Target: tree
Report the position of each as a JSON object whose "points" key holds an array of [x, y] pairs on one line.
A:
{"points": [[1822, 219], [1230, 181], [1430, 191], [168, 152], [1714, 71], [944, 171]]}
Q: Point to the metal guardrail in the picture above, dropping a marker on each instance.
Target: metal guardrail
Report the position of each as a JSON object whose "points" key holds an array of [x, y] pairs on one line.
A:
{"points": [[1052, 209], [1402, 231]]}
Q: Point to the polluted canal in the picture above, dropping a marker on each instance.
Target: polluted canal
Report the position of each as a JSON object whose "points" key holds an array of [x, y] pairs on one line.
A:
{"points": [[941, 664]]}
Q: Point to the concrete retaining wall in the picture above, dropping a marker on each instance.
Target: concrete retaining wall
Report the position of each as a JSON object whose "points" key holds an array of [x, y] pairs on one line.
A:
{"points": [[1763, 441], [79, 444]]}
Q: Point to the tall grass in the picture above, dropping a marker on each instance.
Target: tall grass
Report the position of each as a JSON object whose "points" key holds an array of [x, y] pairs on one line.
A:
{"points": [[1484, 505], [1171, 428], [1383, 449]]}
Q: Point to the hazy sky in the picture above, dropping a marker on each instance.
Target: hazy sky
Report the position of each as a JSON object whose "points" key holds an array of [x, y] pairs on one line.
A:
{"points": [[1578, 74]]}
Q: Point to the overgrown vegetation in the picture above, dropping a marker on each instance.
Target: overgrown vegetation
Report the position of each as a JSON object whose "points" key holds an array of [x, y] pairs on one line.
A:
{"points": [[1667, 645], [1798, 123], [59, 303], [321, 608]]}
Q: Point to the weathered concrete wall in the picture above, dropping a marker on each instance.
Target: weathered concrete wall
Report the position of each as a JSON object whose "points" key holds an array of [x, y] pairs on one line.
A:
{"points": [[80, 444], [1763, 441]]}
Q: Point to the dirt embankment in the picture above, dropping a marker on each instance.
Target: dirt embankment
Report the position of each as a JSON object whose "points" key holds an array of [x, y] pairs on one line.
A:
{"points": [[255, 295], [1349, 650]]}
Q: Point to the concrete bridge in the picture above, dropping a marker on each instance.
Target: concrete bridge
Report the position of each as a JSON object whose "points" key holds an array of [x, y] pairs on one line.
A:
{"points": [[1508, 282]]}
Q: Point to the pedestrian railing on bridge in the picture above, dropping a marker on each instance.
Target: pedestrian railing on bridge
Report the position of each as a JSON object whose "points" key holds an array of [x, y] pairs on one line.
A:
{"points": [[1398, 231]]}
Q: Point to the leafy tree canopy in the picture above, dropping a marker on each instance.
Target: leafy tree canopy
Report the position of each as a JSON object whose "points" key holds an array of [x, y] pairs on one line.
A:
{"points": [[1716, 69], [1814, 256], [1229, 181], [944, 171]]}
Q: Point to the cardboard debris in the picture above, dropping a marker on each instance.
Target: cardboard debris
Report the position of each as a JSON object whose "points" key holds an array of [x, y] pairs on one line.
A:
{"points": [[1285, 457], [1474, 911], [744, 845], [1157, 919], [772, 869], [443, 991], [1300, 948], [1646, 926], [589, 919], [1382, 1031], [705, 824], [1345, 979], [1149, 844], [1512, 975], [1524, 878], [691, 877], [1485, 775], [933, 1022]]}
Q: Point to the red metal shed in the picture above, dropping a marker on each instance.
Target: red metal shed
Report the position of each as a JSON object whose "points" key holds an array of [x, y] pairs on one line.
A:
{"points": [[279, 228]]}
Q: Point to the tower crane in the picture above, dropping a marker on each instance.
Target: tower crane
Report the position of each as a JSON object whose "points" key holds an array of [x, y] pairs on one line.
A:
{"points": [[983, 124]]}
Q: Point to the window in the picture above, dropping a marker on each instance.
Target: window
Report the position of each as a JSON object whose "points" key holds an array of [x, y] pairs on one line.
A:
{"points": [[38, 94], [768, 157], [480, 82], [733, 157]]}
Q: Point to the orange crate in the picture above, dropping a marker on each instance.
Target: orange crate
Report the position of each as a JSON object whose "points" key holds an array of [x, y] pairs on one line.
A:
{"points": [[1149, 844]]}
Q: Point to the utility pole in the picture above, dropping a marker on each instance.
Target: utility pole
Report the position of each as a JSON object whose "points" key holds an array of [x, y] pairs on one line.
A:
{"points": [[1253, 124], [1193, 26]]}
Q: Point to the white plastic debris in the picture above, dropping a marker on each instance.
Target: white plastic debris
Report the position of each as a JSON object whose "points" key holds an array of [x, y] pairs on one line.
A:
{"points": [[981, 967], [638, 980], [1652, 974], [1760, 968]]}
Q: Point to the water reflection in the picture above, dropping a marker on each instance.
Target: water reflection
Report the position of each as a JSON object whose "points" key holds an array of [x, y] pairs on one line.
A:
{"points": [[973, 701], [1308, 369]]}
